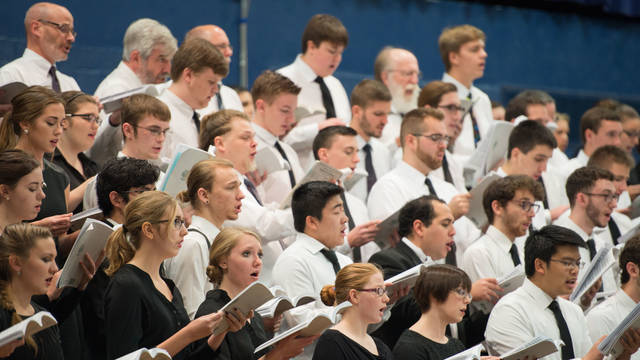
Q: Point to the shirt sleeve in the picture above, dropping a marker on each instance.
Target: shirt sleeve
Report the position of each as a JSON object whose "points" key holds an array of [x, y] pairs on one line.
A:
{"points": [[507, 329]]}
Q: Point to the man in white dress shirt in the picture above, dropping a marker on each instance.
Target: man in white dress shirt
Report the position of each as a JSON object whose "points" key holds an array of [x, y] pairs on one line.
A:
{"points": [[370, 106], [145, 125], [398, 69], [552, 262], [337, 147], [50, 34], [323, 41], [197, 68], [464, 57]]}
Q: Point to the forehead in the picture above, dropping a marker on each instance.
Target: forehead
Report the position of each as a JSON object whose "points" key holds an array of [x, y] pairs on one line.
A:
{"points": [[343, 141], [218, 36], [44, 245], [327, 44], [441, 210], [404, 60], [608, 125], [472, 44], [59, 14], [434, 125], [567, 251], [523, 194], [537, 111], [285, 99], [246, 241], [160, 49], [208, 74], [540, 149], [150, 120], [56, 109], [240, 125], [378, 106], [618, 169], [450, 98], [34, 176], [375, 279], [603, 184], [331, 203]]}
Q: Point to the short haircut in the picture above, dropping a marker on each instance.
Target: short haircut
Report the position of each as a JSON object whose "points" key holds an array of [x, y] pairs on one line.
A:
{"points": [[326, 136], [626, 112], [583, 180], [432, 93], [504, 190], [495, 104], [413, 121], [136, 107], [217, 124], [518, 105], [529, 134], [368, 91], [607, 155], [452, 38], [542, 244], [417, 209], [592, 119], [120, 175], [310, 199], [324, 27], [269, 85], [437, 282], [382, 62], [630, 253], [143, 35], [197, 55]]}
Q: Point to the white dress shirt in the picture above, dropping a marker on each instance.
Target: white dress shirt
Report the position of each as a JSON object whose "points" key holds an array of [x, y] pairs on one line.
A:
{"points": [[183, 129], [391, 130], [230, 101], [524, 314], [188, 269], [554, 189], [121, 79], [271, 223], [557, 161], [381, 160], [32, 69], [455, 169], [482, 111], [360, 215], [489, 256], [277, 185], [606, 316], [572, 165]]}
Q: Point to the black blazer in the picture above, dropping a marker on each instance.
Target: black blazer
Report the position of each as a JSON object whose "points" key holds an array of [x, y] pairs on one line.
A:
{"points": [[395, 260]]}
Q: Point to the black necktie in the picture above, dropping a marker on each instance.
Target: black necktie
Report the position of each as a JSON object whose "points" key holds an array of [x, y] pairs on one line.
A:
{"points": [[219, 101], [545, 201], [55, 84], [252, 189], [196, 120], [476, 130], [565, 335], [368, 165], [445, 169], [357, 256], [327, 102], [514, 255], [450, 259], [614, 230], [292, 178], [591, 244], [427, 182], [333, 259]]}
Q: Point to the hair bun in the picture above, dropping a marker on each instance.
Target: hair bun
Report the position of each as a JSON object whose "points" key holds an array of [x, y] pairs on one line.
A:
{"points": [[328, 295]]}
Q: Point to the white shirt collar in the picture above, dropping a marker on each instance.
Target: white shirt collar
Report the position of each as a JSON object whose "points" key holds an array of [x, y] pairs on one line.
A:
{"points": [[37, 59], [582, 158], [421, 255], [205, 226], [172, 99], [573, 226], [499, 238], [410, 173], [306, 71], [125, 72], [463, 91], [264, 134], [537, 295], [307, 242], [500, 172]]}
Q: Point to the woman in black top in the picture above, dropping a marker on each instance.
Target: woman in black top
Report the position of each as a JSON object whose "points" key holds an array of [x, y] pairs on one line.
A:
{"points": [[79, 126], [363, 286], [442, 293], [143, 309], [234, 263]]}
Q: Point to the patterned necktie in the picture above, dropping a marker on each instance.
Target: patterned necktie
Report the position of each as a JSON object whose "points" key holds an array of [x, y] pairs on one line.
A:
{"points": [[327, 101], [55, 84]]}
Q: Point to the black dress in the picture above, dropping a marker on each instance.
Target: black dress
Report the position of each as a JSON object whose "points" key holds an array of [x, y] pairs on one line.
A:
{"points": [[56, 181], [334, 345], [236, 345], [89, 168], [47, 340], [413, 346], [137, 315]]}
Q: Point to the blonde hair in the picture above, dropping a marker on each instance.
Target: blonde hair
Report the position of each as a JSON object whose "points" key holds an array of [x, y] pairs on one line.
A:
{"points": [[452, 38], [202, 175], [17, 240], [226, 240], [217, 124], [148, 207], [352, 276]]}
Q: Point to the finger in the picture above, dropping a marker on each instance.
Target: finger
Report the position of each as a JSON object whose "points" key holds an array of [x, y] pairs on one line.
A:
{"points": [[88, 261]]}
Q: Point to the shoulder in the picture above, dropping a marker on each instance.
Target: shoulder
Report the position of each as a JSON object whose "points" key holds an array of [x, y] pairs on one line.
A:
{"points": [[129, 278], [571, 307], [214, 301], [288, 71]]}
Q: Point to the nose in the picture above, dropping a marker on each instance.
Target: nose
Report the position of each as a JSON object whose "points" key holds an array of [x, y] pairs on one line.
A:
{"points": [[254, 143], [452, 230], [41, 194], [257, 261], [356, 158], [54, 268], [483, 54], [385, 298]]}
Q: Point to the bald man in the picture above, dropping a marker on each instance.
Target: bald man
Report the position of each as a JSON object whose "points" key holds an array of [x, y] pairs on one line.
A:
{"points": [[398, 69], [50, 34], [226, 98]]}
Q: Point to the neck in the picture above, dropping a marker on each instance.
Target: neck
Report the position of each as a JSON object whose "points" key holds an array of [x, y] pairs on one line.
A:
{"points": [[130, 152], [580, 218], [354, 125], [69, 151], [353, 324], [540, 281], [20, 297], [181, 91], [307, 61], [7, 217], [501, 226], [27, 147], [432, 326], [206, 213], [588, 149], [461, 77], [509, 168], [33, 46], [117, 215], [632, 289], [415, 163], [147, 259], [232, 289], [259, 120]]}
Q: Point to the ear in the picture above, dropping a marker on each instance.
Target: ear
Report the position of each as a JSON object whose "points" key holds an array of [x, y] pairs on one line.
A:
{"points": [[128, 130], [311, 223], [203, 195], [581, 199], [15, 263], [418, 227], [496, 208], [147, 230], [23, 127], [356, 112], [66, 123], [632, 269], [515, 153], [117, 200], [223, 264], [310, 46], [323, 154], [219, 144], [384, 76], [260, 105], [187, 75], [588, 135], [36, 28], [453, 58], [540, 266], [353, 296], [4, 190], [135, 59]]}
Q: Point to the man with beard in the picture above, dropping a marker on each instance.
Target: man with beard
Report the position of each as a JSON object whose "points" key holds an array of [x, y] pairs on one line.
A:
{"points": [[50, 34], [398, 69], [592, 197], [370, 106], [464, 57]]}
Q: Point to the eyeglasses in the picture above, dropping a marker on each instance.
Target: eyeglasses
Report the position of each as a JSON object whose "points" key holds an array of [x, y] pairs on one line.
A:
{"points": [[437, 138], [409, 73], [155, 131], [222, 47], [178, 223], [88, 117], [380, 291], [452, 107], [526, 206], [607, 197], [463, 293], [570, 264], [64, 28]]}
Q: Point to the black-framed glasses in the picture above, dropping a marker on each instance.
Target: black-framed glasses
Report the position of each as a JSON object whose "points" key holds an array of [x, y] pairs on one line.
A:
{"points": [[608, 197], [526, 206], [88, 117], [64, 28], [155, 131], [463, 293], [452, 108], [178, 223], [570, 264], [408, 73], [437, 138], [380, 291]]}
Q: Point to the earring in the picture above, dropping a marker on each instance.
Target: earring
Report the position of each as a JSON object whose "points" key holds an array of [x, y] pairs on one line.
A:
{"points": [[206, 202], [26, 131], [7, 198]]}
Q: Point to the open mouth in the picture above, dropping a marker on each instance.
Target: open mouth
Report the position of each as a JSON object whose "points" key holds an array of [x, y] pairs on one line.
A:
{"points": [[255, 275], [238, 208], [450, 246], [49, 280], [571, 283], [180, 244]]}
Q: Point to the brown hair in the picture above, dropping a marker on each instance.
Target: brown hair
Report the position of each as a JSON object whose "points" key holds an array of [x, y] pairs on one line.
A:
{"points": [[148, 207], [583, 180], [221, 248], [437, 281], [452, 38], [368, 91], [136, 107], [592, 119], [202, 176], [432, 93], [352, 276], [324, 27], [198, 54], [73, 99], [504, 189], [630, 253], [608, 155], [271, 84], [14, 164], [413, 121], [217, 124], [26, 108]]}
